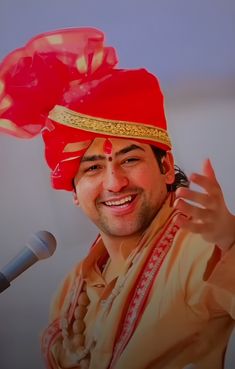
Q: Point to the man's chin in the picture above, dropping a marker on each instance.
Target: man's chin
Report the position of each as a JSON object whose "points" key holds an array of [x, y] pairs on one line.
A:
{"points": [[121, 230], [125, 226]]}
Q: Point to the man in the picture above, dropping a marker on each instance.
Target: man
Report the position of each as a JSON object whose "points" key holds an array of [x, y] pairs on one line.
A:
{"points": [[156, 289]]}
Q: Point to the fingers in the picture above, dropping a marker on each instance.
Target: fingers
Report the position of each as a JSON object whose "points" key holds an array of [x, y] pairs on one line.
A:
{"points": [[208, 170], [210, 185], [194, 212], [207, 180], [206, 212], [201, 212], [205, 229], [197, 197]]}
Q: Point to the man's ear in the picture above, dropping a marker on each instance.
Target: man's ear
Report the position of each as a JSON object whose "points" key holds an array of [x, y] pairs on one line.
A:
{"points": [[75, 198], [168, 168]]}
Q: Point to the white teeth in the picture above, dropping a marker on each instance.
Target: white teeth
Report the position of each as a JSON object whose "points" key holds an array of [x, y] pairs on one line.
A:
{"points": [[119, 202]]}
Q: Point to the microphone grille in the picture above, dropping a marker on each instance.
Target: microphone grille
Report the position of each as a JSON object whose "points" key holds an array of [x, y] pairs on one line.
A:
{"points": [[42, 244]]}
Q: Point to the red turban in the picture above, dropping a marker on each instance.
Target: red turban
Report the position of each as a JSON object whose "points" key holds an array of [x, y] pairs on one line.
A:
{"points": [[64, 85]]}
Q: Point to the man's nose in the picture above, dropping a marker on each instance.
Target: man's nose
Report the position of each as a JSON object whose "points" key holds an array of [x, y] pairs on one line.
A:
{"points": [[115, 179]]}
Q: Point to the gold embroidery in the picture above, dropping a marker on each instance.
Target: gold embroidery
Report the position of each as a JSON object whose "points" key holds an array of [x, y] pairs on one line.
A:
{"points": [[54, 39], [2, 86], [81, 64], [70, 118], [76, 146], [5, 103], [97, 60], [8, 125]]}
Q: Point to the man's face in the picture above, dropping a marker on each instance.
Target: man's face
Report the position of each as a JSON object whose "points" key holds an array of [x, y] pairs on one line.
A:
{"points": [[121, 192]]}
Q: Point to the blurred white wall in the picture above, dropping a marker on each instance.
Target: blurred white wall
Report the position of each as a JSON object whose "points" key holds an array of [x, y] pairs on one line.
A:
{"points": [[190, 46]]}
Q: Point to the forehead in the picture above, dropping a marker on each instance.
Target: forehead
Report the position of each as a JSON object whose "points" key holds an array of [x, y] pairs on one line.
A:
{"points": [[117, 144]]}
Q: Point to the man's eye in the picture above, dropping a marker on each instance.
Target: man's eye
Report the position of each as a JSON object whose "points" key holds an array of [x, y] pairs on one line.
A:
{"points": [[92, 168], [130, 161]]}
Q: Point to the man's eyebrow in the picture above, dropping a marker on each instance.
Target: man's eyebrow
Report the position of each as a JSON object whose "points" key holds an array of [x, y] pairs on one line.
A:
{"points": [[128, 149], [121, 152], [92, 158]]}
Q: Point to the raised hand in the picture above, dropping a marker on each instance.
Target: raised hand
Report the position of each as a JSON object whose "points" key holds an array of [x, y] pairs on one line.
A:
{"points": [[207, 212]]}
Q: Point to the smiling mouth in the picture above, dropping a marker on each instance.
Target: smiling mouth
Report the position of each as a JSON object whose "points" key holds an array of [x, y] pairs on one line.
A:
{"points": [[120, 203]]}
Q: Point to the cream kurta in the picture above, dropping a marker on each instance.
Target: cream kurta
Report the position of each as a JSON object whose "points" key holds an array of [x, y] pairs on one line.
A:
{"points": [[189, 313]]}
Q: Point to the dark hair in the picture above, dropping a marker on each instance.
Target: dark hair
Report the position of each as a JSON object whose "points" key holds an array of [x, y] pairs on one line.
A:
{"points": [[181, 180]]}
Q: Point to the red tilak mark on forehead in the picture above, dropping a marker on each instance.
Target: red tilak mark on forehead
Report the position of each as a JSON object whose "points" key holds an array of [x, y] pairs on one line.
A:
{"points": [[107, 147]]}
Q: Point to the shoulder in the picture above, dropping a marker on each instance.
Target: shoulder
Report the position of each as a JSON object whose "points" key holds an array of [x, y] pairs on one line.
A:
{"points": [[193, 256], [62, 294], [73, 281], [192, 248]]}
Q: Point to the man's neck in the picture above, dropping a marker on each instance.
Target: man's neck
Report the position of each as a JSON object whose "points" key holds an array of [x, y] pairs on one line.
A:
{"points": [[120, 247]]}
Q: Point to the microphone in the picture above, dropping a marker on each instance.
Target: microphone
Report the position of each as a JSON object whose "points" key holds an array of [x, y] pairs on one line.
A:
{"points": [[40, 246]]}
